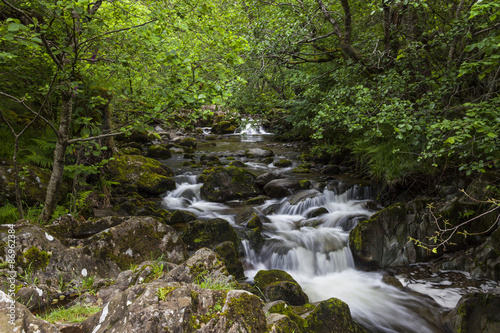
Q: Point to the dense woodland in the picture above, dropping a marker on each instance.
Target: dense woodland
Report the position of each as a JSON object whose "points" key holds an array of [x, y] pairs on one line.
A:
{"points": [[408, 89]]}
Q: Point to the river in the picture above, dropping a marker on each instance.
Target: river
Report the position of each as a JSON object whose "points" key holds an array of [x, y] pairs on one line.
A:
{"points": [[314, 250]]}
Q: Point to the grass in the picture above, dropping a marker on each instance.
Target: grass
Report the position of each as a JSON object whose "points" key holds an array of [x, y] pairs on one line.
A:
{"points": [[75, 314], [215, 283]]}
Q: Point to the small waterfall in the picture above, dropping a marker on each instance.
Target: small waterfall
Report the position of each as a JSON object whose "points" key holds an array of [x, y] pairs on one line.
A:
{"points": [[253, 129], [187, 197], [314, 250]]}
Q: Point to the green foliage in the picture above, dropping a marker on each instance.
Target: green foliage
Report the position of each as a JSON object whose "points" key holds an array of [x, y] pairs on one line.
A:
{"points": [[10, 214], [221, 282]]}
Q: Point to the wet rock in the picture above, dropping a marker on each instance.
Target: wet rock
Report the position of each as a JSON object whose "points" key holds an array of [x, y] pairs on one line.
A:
{"points": [[477, 312], [224, 127], [282, 163], [209, 233], [304, 195], [254, 222], [257, 200], [135, 240], [238, 164], [159, 151], [229, 183], [331, 315], [265, 178], [317, 212], [209, 159], [382, 240], [230, 257], [188, 142], [278, 323], [182, 216], [279, 188], [149, 175], [258, 153], [15, 317], [279, 285]]}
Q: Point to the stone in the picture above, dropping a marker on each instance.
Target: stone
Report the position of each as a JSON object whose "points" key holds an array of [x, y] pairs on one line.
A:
{"points": [[188, 142], [476, 313], [282, 163], [265, 178], [209, 233], [259, 153], [279, 188], [135, 240], [159, 151], [224, 127], [229, 183], [279, 285], [149, 175]]}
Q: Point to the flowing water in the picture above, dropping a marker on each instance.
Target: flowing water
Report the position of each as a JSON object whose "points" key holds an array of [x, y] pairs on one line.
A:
{"points": [[312, 244]]}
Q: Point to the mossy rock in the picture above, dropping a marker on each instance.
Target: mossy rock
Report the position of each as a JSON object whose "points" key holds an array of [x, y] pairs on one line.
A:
{"points": [[188, 142], [208, 234], [254, 222], [279, 285], [238, 164], [150, 176], [188, 156], [300, 169], [131, 151], [268, 160], [317, 212], [210, 160], [182, 216], [159, 151], [229, 183], [224, 127], [282, 163], [257, 200], [229, 255], [34, 259], [332, 315], [476, 312]]}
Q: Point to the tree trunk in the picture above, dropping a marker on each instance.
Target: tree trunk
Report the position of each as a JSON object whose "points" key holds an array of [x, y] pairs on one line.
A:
{"points": [[59, 155]]}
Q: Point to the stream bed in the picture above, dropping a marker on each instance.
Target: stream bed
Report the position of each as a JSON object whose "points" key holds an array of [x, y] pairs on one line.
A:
{"points": [[314, 248]]}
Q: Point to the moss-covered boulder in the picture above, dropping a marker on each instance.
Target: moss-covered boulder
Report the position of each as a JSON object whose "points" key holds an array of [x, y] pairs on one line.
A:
{"points": [[181, 216], [159, 151], [209, 160], [282, 163], [254, 222], [279, 285], [224, 127], [229, 255], [475, 313], [135, 240], [35, 181], [238, 164], [229, 183], [329, 316], [188, 142], [209, 233], [149, 175]]}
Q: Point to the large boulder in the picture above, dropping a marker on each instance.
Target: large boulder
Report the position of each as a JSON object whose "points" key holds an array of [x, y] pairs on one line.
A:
{"points": [[149, 175], [279, 188], [224, 127], [477, 313], [279, 285], [159, 151], [209, 233], [383, 240], [183, 308], [135, 240], [41, 257], [229, 183]]}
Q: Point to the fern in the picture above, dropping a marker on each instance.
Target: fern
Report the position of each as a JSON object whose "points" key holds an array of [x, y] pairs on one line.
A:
{"points": [[9, 213], [39, 154]]}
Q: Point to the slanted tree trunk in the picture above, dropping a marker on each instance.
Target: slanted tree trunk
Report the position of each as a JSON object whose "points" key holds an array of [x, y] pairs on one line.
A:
{"points": [[59, 154]]}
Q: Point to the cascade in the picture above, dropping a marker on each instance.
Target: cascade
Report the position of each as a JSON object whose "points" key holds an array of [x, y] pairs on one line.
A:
{"points": [[312, 246]]}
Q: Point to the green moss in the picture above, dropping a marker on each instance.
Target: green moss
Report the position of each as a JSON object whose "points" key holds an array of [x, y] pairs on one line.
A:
{"points": [[163, 292], [282, 163], [238, 310], [304, 183], [35, 259], [270, 277], [301, 170]]}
